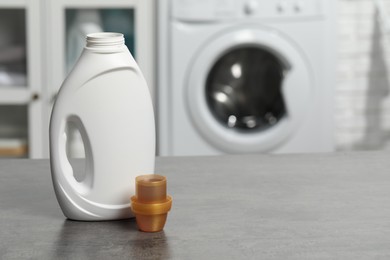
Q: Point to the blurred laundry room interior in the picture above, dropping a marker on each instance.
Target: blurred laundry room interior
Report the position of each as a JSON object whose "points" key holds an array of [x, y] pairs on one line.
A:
{"points": [[225, 76]]}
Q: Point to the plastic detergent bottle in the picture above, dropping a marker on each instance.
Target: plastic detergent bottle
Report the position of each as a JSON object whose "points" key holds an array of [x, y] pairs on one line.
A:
{"points": [[106, 97]]}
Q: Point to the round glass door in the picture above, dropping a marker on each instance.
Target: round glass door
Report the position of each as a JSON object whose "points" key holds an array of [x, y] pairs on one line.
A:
{"points": [[249, 90], [244, 89]]}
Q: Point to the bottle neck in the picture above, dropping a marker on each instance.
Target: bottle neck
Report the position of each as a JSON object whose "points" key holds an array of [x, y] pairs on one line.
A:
{"points": [[105, 40]]}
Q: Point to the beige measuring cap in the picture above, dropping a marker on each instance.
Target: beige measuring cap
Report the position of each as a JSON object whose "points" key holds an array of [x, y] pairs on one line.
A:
{"points": [[151, 204]]}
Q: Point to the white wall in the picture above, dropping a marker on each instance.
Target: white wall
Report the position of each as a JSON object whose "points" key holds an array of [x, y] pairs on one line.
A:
{"points": [[362, 111]]}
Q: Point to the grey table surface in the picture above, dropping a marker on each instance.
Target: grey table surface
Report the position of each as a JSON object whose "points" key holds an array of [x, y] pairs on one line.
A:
{"points": [[322, 206]]}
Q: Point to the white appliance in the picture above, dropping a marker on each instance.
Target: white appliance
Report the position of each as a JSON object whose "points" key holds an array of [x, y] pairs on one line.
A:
{"points": [[245, 76]]}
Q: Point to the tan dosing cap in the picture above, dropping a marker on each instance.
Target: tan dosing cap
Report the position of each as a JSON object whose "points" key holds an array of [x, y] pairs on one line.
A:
{"points": [[151, 204]]}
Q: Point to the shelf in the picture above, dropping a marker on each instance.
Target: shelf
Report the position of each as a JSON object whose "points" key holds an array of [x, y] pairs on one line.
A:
{"points": [[13, 131], [14, 95], [13, 147], [13, 4]]}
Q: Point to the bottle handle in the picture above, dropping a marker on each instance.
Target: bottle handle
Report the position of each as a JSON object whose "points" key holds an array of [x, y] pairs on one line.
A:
{"points": [[61, 161]]}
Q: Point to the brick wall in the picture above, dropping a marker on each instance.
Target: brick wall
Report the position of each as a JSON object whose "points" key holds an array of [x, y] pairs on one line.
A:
{"points": [[362, 105]]}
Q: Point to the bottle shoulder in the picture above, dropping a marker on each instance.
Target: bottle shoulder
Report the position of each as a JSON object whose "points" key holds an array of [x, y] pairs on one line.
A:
{"points": [[92, 64]]}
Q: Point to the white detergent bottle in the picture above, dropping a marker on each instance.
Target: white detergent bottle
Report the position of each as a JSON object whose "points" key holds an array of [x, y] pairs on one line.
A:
{"points": [[106, 97]]}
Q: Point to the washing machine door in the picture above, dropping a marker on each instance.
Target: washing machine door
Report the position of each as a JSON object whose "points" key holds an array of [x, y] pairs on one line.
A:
{"points": [[249, 91]]}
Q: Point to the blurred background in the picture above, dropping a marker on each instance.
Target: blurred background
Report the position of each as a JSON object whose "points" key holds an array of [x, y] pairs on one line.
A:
{"points": [[225, 76]]}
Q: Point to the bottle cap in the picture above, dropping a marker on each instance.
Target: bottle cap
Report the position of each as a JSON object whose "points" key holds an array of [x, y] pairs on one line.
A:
{"points": [[151, 204]]}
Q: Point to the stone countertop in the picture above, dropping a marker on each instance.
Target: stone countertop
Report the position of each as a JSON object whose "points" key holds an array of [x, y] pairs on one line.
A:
{"points": [[319, 206]]}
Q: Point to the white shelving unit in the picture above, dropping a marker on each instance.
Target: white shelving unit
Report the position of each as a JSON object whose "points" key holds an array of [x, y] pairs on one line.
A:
{"points": [[43, 42], [21, 106]]}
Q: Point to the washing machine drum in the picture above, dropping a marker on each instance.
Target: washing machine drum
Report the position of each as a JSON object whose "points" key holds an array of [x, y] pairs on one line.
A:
{"points": [[244, 89], [249, 91]]}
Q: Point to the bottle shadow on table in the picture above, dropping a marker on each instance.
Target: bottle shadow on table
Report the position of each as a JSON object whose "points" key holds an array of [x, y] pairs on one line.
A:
{"points": [[79, 239]]}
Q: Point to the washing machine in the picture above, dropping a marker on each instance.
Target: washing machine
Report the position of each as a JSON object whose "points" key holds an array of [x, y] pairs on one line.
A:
{"points": [[245, 76]]}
